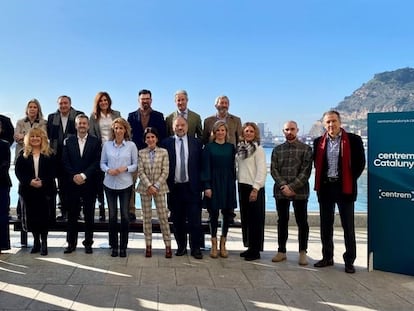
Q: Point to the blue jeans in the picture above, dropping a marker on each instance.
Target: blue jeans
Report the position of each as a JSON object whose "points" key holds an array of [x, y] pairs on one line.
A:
{"points": [[124, 196]]}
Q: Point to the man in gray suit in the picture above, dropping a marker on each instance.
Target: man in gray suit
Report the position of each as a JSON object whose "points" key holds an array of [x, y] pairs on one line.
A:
{"points": [[193, 119], [233, 122]]}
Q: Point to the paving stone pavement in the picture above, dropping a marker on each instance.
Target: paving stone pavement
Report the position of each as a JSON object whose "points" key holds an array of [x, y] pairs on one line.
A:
{"points": [[79, 281]]}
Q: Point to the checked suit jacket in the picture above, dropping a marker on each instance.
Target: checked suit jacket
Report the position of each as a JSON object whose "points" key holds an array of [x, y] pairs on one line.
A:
{"points": [[156, 173]]}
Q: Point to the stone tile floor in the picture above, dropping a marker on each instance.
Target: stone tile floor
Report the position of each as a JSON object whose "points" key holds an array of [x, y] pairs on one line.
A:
{"points": [[79, 281]]}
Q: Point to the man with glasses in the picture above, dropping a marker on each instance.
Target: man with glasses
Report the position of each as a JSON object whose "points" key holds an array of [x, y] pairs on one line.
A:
{"points": [[139, 120]]}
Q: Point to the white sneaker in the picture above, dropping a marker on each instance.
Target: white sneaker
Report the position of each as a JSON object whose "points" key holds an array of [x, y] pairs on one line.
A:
{"points": [[279, 257], [303, 259]]}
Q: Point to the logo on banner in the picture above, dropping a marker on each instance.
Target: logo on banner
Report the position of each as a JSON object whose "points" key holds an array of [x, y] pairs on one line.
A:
{"points": [[384, 194], [394, 159]]}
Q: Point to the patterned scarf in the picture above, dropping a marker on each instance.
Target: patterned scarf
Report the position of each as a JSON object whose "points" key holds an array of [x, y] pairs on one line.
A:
{"points": [[346, 171], [246, 149]]}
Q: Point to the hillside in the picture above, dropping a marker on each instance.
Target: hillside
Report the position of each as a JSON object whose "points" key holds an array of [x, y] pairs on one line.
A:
{"points": [[387, 92]]}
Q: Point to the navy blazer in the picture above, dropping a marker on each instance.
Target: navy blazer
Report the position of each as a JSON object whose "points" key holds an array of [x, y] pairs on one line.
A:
{"points": [[156, 120], [193, 166], [88, 163]]}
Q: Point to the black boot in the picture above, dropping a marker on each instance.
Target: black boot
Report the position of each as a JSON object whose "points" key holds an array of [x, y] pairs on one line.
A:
{"points": [[101, 212], [36, 243], [43, 249]]}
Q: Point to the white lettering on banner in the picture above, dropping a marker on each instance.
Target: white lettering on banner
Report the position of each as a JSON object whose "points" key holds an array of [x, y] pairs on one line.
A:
{"points": [[396, 195], [395, 159]]}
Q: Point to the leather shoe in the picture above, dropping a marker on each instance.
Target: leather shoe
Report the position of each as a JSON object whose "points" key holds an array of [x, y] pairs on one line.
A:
{"points": [[88, 247], [251, 257], [88, 250], [197, 254], [168, 252], [122, 253], [349, 268], [148, 251], [114, 253], [324, 263], [245, 253], [69, 249], [181, 252]]}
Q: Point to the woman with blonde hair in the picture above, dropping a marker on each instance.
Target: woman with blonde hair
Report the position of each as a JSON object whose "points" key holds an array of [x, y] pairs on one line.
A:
{"points": [[119, 161], [33, 119], [100, 125], [35, 170], [218, 175]]}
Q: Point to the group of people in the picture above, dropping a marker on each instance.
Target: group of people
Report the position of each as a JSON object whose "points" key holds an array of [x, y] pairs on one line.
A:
{"points": [[180, 165]]}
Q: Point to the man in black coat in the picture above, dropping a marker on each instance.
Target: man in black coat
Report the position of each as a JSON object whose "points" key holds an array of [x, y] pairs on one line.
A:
{"points": [[81, 156], [339, 159], [7, 131], [60, 125]]}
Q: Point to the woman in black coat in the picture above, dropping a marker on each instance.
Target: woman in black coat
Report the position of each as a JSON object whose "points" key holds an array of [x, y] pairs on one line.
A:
{"points": [[35, 169]]}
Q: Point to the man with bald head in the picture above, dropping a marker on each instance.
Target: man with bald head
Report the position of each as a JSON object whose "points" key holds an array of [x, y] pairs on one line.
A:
{"points": [[184, 182], [291, 166]]}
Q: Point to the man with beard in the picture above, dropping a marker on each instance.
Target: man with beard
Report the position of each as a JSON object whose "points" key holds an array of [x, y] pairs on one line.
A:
{"points": [[291, 166], [139, 120], [233, 122], [81, 156]]}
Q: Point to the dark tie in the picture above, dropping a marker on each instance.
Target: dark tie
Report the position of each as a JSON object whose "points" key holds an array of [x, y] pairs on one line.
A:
{"points": [[182, 161]]}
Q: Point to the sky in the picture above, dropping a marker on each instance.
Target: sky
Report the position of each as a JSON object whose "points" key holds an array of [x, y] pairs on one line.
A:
{"points": [[275, 60]]}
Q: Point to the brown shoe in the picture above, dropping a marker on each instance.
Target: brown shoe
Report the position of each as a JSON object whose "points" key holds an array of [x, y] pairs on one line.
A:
{"points": [[148, 251], [168, 252], [279, 257]]}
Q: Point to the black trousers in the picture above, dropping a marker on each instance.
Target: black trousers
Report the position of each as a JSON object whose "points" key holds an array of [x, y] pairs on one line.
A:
{"points": [[300, 208], [185, 207], [329, 195], [252, 216], [80, 196]]}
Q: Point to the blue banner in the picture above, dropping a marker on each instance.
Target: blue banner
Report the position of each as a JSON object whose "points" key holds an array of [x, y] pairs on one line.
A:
{"points": [[391, 192]]}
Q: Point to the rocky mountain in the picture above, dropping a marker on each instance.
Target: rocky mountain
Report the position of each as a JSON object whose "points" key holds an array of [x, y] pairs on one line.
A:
{"points": [[388, 91]]}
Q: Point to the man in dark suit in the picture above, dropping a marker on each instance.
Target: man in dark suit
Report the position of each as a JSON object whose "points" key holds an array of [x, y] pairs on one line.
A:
{"points": [[81, 156], [184, 198], [339, 161], [7, 129], [60, 125], [139, 120], [193, 119]]}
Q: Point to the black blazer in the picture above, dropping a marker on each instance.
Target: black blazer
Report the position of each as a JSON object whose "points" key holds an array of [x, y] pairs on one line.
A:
{"points": [[357, 161], [5, 155], [194, 162], [88, 163]]}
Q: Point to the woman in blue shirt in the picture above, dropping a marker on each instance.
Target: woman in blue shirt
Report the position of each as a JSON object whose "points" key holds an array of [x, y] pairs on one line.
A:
{"points": [[119, 161]]}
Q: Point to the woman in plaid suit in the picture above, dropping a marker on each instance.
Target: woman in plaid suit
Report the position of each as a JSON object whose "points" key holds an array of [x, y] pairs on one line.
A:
{"points": [[153, 169]]}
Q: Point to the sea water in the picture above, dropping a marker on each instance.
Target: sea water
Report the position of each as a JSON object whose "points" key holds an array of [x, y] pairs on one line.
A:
{"points": [[360, 204]]}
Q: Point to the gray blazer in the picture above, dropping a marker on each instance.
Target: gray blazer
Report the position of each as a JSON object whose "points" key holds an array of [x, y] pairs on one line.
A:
{"points": [[94, 124]]}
